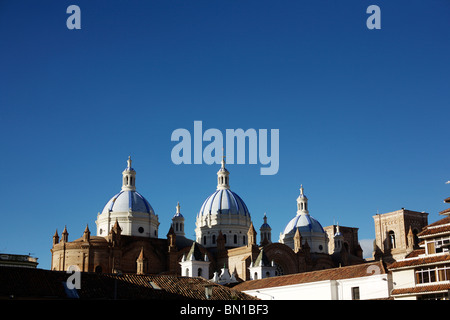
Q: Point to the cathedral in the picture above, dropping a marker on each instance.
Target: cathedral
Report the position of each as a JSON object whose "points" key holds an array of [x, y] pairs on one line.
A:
{"points": [[225, 248]]}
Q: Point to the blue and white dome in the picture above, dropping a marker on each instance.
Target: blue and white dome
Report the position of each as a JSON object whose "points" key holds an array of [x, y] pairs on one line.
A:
{"points": [[305, 223], [130, 209], [223, 212], [224, 201], [128, 200], [310, 229]]}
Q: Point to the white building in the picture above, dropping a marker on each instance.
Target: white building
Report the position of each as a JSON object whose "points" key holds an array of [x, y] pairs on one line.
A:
{"points": [[359, 282], [425, 273]]}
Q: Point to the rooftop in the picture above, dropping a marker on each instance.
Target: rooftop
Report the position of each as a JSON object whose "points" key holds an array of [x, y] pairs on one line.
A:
{"points": [[24, 283], [355, 271]]}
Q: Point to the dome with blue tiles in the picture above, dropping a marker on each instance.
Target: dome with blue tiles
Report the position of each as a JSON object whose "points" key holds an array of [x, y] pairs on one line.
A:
{"points": [[223, 200], [310, 229], [225, 213], [133, 212], [128, 200], [305, 223]]}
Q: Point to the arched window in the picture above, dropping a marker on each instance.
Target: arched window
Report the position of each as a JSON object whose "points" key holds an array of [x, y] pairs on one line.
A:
{"points": [[98, 269], [392, 239], [255, 276], [199, 272], [243, 240], [204, 239], [187, 272], [235, 239], [214, 239], [225, 238]]}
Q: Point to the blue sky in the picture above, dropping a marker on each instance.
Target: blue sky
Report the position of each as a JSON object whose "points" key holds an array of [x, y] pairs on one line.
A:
{"points": [[363, 114]]}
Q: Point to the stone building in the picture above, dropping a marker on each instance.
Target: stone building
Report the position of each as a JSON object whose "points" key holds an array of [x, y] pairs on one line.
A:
{"points": [[391, 233], [128, 239]]}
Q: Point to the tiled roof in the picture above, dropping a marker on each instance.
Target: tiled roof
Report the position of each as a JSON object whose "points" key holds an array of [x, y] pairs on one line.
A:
{"points": [[440, 226], [415, 253], [433, 288], [418, 261], [24, 283], [356, 271]]}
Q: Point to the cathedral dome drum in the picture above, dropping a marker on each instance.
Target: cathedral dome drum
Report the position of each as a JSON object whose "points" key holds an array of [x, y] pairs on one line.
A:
{"points": [[223, 212]]}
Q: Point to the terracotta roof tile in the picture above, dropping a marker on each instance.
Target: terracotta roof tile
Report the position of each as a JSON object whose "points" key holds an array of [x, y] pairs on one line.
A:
{"points": [[417, 261], [24, 283], [355, 271], [440, 226], [440, 287]]}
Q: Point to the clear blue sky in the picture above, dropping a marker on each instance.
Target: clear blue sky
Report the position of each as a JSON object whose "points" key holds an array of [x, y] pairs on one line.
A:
{"points": [[363, 114]]}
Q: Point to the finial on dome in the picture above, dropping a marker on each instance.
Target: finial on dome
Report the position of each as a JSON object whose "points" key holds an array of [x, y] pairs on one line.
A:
{"points": [[222, 175], [178, 207], [301, 189], [223, 158], [129, 177]]}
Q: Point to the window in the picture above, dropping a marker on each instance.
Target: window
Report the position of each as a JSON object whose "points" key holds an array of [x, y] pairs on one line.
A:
{"points": [[141, 230], [430, 248], [199, 272], [355, 293], [392, 239], [214, 239], [204, 239], [433, 274], [235, 239]]}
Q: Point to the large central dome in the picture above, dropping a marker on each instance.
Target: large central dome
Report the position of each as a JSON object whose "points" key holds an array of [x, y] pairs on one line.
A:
{"points": [[224, 201], [223, 212]]}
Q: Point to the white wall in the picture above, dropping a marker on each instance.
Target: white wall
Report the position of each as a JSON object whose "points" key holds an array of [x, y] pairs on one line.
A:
{"points": [[370, 287], [321, 290]]}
